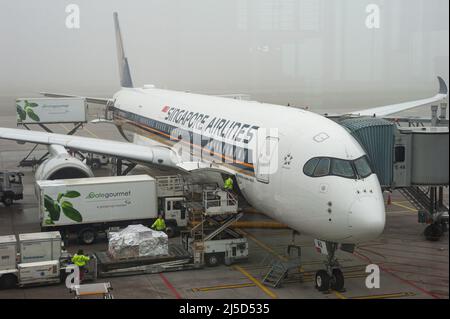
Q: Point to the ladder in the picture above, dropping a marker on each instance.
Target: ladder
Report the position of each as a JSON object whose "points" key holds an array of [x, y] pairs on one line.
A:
{"points": [[279, 270], [196, 220], [276, 274]]}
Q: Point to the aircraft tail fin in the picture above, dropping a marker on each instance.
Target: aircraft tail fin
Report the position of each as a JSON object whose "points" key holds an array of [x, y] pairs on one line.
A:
{"points": [[124, 68]]}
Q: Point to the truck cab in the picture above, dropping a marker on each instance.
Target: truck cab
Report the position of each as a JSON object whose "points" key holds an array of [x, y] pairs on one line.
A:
{"points": [[174, 210], [11, 187]]}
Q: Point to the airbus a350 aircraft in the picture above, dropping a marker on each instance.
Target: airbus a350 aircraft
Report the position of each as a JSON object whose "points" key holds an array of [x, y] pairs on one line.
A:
{"points": [[316, 178]]}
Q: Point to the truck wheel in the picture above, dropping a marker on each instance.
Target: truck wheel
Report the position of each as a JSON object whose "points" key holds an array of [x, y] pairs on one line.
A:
{"points": [[8, 281], [212, 260], [87, 236], [170, 231], [8, 201]]}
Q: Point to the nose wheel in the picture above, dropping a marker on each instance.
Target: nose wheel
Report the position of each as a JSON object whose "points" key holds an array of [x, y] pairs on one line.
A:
{"points": [[331, 277]]}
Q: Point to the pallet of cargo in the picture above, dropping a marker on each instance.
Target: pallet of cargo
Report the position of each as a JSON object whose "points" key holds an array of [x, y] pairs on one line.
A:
{"points": [[106, 263]]}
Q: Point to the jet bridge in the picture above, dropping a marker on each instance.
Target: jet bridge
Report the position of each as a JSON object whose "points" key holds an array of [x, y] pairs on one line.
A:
{"points": [[413, 159]]}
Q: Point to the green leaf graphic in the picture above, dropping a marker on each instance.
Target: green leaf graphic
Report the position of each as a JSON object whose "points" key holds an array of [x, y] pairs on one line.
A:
{"points": [[32, 104], [48, 221], [32, 115], [48, 198], [66, 204], [72, 194], [21, 113], [60, 195], [52, 207], [71, 212]]}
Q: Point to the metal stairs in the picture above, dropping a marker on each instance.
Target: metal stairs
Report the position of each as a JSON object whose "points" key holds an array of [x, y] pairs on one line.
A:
{"points": [[276, 274], [420, 198], [223, 225], [281, 269], [417, 197], [197, 221]]}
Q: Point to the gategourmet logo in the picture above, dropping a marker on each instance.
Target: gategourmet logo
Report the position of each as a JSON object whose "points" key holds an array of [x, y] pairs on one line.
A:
{"points": [[93, 195]]}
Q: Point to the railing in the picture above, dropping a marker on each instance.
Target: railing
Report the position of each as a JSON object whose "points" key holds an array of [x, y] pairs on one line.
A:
{"points": [[219, 202], [170, 185]]}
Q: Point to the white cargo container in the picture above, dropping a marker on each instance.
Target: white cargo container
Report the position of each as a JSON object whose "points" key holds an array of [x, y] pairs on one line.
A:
{"points": [[41, 247], [38, 247], [8, 252], [43, 272], [51, 110], [89, 205]]}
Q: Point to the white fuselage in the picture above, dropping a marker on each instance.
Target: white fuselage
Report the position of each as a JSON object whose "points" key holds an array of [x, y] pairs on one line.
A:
{"points": [[333, 208]]}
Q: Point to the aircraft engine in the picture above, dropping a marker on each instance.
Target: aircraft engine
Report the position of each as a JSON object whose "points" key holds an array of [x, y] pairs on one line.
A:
{"points": [[61, 165]]}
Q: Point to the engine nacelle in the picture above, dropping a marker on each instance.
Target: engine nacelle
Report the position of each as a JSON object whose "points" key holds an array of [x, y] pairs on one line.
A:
{"points": [[61, 165]]}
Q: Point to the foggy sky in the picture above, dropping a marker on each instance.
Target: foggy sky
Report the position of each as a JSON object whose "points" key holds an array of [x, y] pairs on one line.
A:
{"points": [[307, 52]]}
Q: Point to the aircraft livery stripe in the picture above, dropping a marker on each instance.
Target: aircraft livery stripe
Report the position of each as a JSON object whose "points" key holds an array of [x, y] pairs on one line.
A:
{"points": [[163, 130]]}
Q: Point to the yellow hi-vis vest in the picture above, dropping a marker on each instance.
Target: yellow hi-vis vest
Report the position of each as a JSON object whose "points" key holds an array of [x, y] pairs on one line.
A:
{"points": [[159, 224], [80, 260], [228, 185]]}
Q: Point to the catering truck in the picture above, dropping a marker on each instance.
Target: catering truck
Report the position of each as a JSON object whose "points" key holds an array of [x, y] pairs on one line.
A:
{"points": [[51, 110], [89, 206]]}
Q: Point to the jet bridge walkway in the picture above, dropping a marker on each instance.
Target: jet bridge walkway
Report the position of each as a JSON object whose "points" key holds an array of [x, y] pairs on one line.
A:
{"points": [[412, 159]]}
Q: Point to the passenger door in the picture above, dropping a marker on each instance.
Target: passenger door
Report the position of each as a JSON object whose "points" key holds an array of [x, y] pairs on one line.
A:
{"points": [[266, 158]]}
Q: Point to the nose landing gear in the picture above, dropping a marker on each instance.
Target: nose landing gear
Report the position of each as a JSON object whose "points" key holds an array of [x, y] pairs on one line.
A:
{"points": [[331, 277]]}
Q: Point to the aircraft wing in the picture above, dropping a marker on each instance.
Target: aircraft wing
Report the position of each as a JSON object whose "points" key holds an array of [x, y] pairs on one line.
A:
{"points": [[396, 108], [158, 155], [96, 100]]}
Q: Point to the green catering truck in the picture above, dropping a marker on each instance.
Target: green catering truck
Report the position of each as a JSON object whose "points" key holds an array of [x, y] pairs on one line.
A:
{"points": [[88, 206]]}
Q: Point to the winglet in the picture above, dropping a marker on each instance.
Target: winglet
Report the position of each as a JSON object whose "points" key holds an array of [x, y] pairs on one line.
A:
{"points": [[443, 89], [396, 108], [124, 69]]}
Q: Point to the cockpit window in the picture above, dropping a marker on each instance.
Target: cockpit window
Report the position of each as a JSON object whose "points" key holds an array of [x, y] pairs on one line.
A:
{"points": [[323, 168], [309, 167], [342, 168], [362, 167]]}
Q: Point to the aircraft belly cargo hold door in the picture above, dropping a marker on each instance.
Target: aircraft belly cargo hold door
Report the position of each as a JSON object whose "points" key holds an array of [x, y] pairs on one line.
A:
{"points": [[266, 158]]}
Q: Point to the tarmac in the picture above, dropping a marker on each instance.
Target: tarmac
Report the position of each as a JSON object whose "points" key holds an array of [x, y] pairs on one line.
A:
{"points": [[410, 266]]}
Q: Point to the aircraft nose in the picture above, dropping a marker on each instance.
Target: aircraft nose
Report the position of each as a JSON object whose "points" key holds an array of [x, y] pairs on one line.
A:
{"points": [[367, 219]]}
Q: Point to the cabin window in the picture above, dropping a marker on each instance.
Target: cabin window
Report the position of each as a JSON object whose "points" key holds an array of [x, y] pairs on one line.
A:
{"points": [[177, 205]]}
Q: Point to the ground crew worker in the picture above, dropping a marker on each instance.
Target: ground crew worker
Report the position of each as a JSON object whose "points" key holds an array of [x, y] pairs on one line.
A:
{"points": [[228, 184], [159, 224], [80, 260]]}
